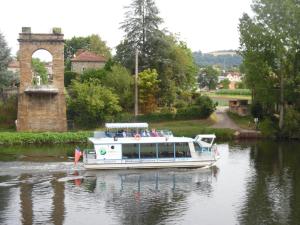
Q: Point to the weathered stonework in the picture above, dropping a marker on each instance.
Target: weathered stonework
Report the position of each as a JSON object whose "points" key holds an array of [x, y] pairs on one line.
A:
{"points": [[41, 109], [79, 67]]}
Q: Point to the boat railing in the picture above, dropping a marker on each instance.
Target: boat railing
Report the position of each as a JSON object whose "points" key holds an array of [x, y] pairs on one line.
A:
{"points": [[122, 133]]}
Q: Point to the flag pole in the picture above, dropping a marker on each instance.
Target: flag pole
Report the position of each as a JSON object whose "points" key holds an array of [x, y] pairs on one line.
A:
{"points": [[136, 110]]}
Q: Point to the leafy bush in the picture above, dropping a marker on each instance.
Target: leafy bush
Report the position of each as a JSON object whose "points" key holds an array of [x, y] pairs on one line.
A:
{"points": [[257, 110], [291, 127], [91, 104], [207, 106], [8, 112], [69, 76], [234, 92], [268, 128], [12, 138]]}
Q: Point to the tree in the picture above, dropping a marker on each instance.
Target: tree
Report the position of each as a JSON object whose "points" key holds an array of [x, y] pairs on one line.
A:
{"points": [[4, 61], [90, 104], [39, 69], [225, 83], [141, 22], [92, 43], [208, 77], [269, 44], [148, 90]]}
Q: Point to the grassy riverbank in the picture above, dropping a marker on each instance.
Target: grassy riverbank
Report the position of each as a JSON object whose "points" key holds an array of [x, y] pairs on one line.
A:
{"points": [[188, 128], [12, 138]]}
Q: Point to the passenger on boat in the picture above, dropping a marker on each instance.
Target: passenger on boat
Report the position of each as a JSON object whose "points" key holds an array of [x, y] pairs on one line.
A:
{"points": [[144, 133], [154, 133], [124, 133]]}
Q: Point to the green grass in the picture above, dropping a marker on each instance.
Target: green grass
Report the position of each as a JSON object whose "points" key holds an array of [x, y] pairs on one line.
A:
{"points": [[191, 128], [242, 121], [12, 138], [243, 92]]}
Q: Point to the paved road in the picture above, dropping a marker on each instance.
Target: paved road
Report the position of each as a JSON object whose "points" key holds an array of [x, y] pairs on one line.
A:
{"points": [[223, 120]]}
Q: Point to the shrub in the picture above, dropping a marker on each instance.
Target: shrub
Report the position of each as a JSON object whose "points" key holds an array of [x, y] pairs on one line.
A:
{"points": [[207, 106], [268, 128], [69, 76], [8, 112], [257, 110], [291, 127], [234, 92]]}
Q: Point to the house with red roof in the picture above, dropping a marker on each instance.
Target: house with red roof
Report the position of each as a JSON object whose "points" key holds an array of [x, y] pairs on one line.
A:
{"points": [[84, 60]]}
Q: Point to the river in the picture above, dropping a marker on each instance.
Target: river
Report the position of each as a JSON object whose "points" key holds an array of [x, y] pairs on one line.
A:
{"points": [[255, 182]]}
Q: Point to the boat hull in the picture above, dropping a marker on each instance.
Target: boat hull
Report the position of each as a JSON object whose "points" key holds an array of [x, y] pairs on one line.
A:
{"points": [[150, 165]]}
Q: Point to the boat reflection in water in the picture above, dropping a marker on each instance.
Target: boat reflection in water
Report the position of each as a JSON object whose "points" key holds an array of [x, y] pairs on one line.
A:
{"points": [[148, 197]]}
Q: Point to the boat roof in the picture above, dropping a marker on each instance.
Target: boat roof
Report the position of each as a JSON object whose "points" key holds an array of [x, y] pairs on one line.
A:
{"points": [[126, 125], [206, 136]]}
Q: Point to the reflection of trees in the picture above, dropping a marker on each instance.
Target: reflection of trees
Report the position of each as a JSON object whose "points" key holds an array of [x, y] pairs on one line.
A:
{"points": [[149, 197], [273, 192], [4, 197]]}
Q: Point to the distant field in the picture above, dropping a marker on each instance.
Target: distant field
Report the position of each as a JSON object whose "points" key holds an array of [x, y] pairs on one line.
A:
{"points": [[222, 99]]}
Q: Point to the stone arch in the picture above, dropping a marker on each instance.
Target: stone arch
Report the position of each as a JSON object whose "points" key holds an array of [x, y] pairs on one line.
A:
{"points": [[41, 108], [41, 67]]}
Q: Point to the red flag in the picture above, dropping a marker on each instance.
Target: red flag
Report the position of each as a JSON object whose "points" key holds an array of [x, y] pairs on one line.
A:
{"points": [[77, 156]]}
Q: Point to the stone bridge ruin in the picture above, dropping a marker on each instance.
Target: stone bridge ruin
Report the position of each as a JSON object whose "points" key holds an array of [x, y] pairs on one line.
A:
{"points": [[41, 107]]}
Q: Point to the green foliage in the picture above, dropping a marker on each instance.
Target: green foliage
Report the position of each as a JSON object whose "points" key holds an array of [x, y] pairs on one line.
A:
{"points": [[225, 83], [206, 106], [268, 128], [291, 127], [226, 61], [14, 138], [92, 43], [8, 112], [91, 104], [269, 44], [257, 110], [208, 77], [93, 74], [116, 78], [8, 78], [4, 61], [121, 82], [158, 50], [39, 69], [69, 76], [233, 92], [148, 90]]}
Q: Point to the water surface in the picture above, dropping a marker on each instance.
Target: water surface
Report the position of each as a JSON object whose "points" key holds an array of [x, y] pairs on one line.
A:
{"points": [[253, 183]]}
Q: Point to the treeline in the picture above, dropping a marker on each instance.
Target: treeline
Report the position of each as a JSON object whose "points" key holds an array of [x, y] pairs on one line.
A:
{"points": [[222, 61], [269, 44]]}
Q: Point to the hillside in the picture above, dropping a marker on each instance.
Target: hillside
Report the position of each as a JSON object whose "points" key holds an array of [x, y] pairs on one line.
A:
{"points": [[224, 59]]}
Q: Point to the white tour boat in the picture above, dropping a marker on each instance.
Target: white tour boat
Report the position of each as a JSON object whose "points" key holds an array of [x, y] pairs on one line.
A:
{"points": [[131, 145]]}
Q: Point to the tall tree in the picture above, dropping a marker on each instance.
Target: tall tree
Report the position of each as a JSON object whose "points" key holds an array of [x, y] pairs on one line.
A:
{"points": [[4, 60], [141, 22], [208, 77], [271, 50]]}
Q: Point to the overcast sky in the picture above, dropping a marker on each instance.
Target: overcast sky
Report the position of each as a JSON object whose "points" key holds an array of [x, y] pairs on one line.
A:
{"points": [[205, 25]]}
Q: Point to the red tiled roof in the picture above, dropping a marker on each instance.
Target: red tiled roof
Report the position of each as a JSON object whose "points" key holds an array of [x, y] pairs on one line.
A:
{"points": [[14, 64], [87, 56]]}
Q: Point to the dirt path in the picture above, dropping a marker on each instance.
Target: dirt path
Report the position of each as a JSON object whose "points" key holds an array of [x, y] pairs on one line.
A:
{"points": [[223, 120]]}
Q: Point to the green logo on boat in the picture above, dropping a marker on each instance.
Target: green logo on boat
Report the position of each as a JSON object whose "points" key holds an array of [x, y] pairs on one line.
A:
{"points": [[102, 151]]}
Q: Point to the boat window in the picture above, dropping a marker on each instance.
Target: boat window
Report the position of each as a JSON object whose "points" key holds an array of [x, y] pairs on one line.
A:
{"points": [[166, 150], [207, 140], [182, 150], [148, 151], [130, 151], [197, 147]]}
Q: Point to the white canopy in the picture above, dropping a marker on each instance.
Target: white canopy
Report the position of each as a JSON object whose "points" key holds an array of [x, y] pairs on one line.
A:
{"points": [[126, 125]]}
